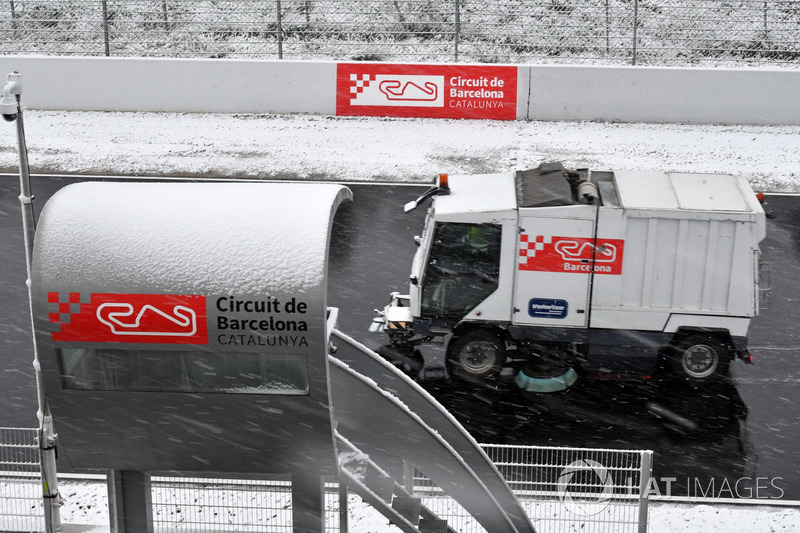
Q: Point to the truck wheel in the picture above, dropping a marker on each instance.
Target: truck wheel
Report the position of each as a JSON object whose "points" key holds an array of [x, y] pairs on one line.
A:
{"points": [[477, 354], [700, 359]]}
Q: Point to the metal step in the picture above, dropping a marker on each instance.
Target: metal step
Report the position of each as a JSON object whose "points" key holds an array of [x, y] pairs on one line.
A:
{"points": [[433, 525], [388, 497], [409, 507], [379, 483]]}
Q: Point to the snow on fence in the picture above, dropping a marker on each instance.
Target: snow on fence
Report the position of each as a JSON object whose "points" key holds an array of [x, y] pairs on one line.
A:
{"points": [[645, 32], [562, 489]]}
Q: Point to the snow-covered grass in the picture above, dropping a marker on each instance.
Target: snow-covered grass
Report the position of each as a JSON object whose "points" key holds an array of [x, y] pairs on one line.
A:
{"points": [[313, 147]]}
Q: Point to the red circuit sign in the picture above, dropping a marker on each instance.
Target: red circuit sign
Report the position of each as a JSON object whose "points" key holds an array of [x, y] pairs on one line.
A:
{"points": [[432, 91], [570, 254], [129, 318]]}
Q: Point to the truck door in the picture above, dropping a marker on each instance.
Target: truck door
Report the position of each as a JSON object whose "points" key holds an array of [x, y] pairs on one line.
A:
{"points": [[556, 258]]}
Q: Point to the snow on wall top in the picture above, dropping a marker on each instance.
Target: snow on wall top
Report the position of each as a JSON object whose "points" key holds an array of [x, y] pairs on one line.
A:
{"points": [[191, 238]]}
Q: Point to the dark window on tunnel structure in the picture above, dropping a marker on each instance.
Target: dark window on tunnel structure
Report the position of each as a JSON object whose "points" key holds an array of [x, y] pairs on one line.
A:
{"points": [[103, 369]]}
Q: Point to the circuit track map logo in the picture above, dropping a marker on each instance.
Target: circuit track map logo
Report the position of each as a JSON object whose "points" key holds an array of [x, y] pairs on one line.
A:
{"points": [[574, 477]]}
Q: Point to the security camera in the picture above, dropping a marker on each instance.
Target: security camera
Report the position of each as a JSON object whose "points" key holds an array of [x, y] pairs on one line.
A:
{"points": [[9, 106]]}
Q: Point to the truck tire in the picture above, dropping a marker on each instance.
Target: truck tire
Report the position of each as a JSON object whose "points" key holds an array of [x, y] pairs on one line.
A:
{"points": [[476, 355], [700, 359]]}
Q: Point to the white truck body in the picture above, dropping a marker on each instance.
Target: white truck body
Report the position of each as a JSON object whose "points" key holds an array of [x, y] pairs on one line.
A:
{"points": [[603, 257]]}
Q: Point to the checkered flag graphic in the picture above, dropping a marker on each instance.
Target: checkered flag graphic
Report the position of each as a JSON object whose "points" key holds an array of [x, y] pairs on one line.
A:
{"points": [[529, 245], [359, 83]]}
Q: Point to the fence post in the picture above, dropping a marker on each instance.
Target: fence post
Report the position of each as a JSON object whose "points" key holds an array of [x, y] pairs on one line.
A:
{"points": [[635, 30], [457, 29], [280, 29], [105, 28], [165, 13], [645, 470], [344, 515], [13, 19], [608, 29]]}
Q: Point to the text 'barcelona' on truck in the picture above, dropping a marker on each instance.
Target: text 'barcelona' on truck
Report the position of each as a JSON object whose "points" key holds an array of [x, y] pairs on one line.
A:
{"points": [[552, 272]]}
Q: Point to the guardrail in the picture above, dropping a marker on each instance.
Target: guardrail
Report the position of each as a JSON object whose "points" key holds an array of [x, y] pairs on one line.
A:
{"points": [[562, 489]]}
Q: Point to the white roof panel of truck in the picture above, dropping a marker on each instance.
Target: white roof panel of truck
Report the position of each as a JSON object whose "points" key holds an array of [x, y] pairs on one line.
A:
{"points": [[695, 192], [482, 193]]}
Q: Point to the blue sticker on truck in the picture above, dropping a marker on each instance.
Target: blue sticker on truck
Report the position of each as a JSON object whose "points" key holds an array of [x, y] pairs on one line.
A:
{"points": [[547, 308]]}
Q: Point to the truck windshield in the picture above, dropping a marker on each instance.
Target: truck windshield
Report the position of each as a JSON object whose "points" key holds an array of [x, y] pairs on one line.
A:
{"points": [[462, 270]]}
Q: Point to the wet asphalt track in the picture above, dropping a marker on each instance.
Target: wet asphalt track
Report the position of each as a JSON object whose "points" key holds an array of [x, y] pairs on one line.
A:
{"points": [[738, 438]]}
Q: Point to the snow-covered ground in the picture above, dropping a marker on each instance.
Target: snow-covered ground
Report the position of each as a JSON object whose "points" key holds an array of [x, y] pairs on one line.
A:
{"points": [[387, 149], [87, 504], [413, 151]]}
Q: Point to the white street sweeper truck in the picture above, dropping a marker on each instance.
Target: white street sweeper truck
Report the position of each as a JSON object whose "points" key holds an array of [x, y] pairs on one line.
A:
{"points": [[555, 272]]}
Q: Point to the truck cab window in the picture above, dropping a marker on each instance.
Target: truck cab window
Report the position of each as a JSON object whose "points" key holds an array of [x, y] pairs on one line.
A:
{"points": [[462, 269]]}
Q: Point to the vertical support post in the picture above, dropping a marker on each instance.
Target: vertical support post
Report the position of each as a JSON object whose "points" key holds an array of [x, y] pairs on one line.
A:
{"points": [[12, 101], [165, 13], [457, 28], [13, 19], [130, 501], [408, 477], [344, 525], [608, 29], [280, 28], [645, 471], [106, 37], [635, 30], [308, 504]]}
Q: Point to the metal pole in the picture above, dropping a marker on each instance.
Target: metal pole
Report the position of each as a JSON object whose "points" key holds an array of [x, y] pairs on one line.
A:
{"points": [[344, 516], [635, 29], [47, 437], [105, 28], [608, 30], [13, 18], [165, 13], [280, 29], [645, 471], [457, 32]]}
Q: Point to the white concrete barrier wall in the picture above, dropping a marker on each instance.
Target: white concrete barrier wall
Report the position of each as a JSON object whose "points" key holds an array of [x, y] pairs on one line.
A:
{"points": [[175, 85], [647, 94], [545, 92]]}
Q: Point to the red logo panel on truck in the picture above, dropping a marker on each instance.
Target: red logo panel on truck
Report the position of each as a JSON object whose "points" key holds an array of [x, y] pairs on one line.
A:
{"points": [[570, 254], [433, 91], [133, 318]]}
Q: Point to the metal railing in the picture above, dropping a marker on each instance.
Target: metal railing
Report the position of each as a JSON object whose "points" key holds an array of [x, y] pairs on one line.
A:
{"points": [[21, 506], [639, 32], [562, 489]]}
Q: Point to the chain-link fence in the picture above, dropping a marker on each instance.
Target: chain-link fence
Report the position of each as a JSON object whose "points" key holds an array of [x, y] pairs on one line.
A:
{"points": [[642, 32], [561, 489], [21, 506]]}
